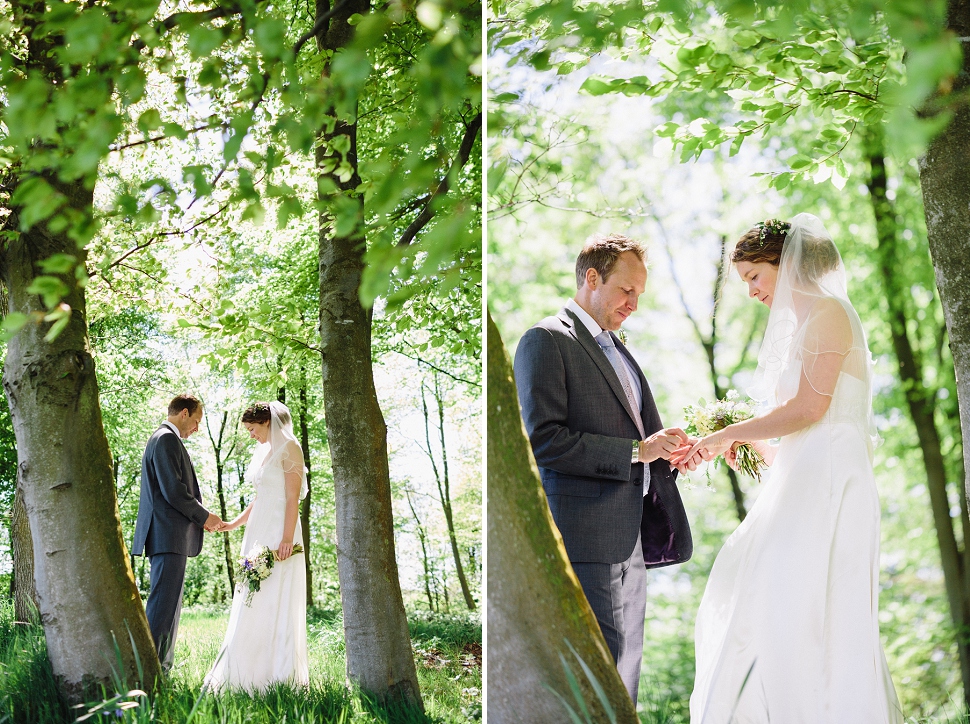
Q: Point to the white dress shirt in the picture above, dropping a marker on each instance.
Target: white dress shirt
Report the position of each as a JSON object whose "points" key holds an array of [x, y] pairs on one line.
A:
{"points": [[594, 329]]}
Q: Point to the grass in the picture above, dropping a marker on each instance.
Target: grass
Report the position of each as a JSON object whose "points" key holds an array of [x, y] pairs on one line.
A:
{"points": [[447, 652]]}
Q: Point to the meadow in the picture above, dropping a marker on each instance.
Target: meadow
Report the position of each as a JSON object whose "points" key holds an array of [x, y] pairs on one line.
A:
{"points": [[447, 651]]}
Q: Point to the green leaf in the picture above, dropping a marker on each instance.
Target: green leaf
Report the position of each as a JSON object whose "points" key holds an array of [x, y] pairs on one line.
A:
{"points": [[495, 175], [85, 37], [51, 289], [269, 37], [255, 212], [149, 120], [38, 201], [13, 323], [175, 131], [595, 86], [58, 264], [203, 39], [747, 38]]}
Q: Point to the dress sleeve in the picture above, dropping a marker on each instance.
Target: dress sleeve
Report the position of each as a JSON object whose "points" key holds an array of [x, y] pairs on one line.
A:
{"points": [[827, 346]]}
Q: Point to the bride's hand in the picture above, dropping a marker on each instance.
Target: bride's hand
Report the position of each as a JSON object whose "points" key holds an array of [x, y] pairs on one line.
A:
{"points": [[284, 551], [717, 443]]}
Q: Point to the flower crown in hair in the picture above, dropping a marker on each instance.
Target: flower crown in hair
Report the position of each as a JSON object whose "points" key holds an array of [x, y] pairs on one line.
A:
{"points": [[772, 226], [260, 407]]}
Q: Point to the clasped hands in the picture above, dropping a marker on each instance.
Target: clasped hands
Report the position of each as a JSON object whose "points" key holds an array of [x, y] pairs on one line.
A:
{"points": [[706, 448], [215, 524], [674, 445]]}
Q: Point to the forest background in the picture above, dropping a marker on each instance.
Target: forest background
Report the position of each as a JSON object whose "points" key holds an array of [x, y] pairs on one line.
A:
{"points": [[216, 199], [683, 125]]}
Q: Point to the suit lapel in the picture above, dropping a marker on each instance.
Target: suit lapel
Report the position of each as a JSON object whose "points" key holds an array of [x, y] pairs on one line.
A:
{"points": [[598, 356]]}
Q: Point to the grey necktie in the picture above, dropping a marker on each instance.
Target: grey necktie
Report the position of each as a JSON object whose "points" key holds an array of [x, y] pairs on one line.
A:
{"points": [[613, 355]]}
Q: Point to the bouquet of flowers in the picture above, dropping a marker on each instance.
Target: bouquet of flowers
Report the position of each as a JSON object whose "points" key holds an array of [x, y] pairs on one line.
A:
{"points": [[255, 567], [704, 419]]}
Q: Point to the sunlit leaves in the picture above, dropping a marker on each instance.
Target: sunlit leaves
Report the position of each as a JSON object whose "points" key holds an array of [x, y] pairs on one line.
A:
{"points": [[38, 201], [269, 37], [203, 39], [51, 289], [843, 65]]}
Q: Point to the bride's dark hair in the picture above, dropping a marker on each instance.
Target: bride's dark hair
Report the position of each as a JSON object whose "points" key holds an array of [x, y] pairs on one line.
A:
{"points": [[818, 254], [260, 412], [753, 249], [257, 413]]}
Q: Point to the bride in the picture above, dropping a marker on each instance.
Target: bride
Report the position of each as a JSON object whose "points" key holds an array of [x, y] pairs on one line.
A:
{"points": [[266, 640], [788, 630]]}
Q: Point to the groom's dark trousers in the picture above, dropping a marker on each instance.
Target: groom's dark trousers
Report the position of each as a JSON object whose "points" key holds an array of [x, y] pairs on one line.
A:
{"points": [[169, 531], [581, 427]]}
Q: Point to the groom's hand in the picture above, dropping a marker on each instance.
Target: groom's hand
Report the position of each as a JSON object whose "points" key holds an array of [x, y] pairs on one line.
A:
{"points": [[212, 523], [682, 462], [662, 444]]}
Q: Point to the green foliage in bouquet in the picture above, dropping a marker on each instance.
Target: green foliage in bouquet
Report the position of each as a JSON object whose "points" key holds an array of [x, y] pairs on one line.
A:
{"points": [[704, 419], [255, 567]]}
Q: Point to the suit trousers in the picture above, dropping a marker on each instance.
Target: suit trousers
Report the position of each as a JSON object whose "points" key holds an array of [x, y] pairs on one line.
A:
{"points": [[165, 603], [617, 593]]}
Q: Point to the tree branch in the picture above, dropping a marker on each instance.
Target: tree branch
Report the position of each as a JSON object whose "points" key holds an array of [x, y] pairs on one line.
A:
{"points": [[318, 26], [425, 362], [179, 17], [164, 234], [154, 139], [464, 151]]}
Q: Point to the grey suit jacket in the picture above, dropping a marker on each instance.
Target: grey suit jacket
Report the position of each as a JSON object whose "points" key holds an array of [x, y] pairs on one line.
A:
{"points": [[171, 517], [581, 428]]}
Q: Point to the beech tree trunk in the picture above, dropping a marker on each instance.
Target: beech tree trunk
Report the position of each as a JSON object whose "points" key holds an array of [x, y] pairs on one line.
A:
{"points": [[945, 181], [85, 589], [379, 657], [539, 621], [24, 599]]}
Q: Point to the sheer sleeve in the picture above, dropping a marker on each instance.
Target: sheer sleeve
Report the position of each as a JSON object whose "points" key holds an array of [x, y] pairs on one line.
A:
{"points": [[828, 346], [292, 459]]}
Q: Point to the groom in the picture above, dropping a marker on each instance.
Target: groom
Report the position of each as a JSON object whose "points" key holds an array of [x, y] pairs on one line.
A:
{"points": [[170, 520], [601, 448]]}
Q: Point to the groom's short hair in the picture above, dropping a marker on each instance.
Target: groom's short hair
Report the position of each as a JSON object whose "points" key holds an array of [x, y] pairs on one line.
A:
{"points": [[184, 402], [601, 251]]}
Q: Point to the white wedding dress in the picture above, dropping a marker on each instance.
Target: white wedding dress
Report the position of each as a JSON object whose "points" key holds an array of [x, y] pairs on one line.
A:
{"points": [[788, 629], [266, 641]]}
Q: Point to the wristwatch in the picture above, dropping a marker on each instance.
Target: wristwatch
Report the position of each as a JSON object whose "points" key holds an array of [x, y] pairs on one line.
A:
{"points": [[636, 453]]}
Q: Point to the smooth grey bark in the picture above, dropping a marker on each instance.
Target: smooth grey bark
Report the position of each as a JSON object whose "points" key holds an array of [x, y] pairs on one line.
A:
{"points": [[378, 644], [945, 182], [85, 589], [443, 482], [539, 621]]}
